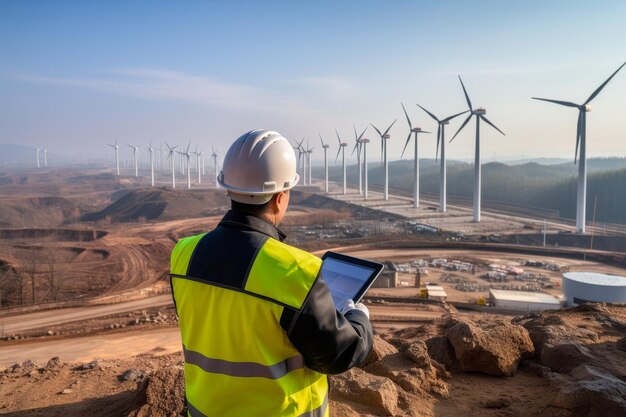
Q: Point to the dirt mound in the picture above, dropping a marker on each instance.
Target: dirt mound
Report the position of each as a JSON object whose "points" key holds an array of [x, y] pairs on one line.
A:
{"points": [[162, 394], [162, 204], [38, 212]]}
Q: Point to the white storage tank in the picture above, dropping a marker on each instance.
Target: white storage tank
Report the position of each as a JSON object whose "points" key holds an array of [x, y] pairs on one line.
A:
{"points": [[579, 287]]}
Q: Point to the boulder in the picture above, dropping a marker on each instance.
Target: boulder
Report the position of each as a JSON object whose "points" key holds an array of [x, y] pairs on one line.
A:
{"points": [[493, 349], [440, 349], [361, 387]]}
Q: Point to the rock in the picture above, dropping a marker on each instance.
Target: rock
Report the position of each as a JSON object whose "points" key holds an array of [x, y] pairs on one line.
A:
{"points": [[380, 349], [440, 349], [590, 393], [86, 366], [564, 357], [496, 403], [131, 375], [162, 394], [66, 391], [494, 349], [53, 363], [374, 391], [418, 353], [29, 366]]}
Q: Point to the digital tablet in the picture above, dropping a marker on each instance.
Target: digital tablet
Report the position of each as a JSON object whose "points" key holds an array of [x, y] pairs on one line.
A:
{"points": [[348, 277]]}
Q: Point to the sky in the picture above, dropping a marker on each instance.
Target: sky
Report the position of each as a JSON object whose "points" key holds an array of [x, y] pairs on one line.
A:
{"points": [[75, 75]]}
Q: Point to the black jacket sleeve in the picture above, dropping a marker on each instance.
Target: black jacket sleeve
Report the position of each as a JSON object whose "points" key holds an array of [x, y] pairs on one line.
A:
{"points": [[330, 342]]}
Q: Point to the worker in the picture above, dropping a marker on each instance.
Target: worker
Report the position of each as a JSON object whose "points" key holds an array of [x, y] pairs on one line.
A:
{"points": [[258, 325]]}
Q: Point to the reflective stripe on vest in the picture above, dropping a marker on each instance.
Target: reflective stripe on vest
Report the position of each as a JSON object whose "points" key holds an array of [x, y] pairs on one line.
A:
{"points": [[253, 370]]}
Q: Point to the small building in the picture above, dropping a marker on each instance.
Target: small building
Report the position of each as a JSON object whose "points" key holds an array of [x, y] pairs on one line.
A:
{"points": [[580, 287], [523, 300], [435, 292], [388, 277]]}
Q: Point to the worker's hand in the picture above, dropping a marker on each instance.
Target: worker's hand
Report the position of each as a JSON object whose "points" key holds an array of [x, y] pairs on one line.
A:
{"points": [[349, 305]]}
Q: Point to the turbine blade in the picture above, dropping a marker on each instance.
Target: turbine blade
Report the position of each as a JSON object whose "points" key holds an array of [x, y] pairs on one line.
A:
{"points": [[438, 139], [407, 116], [429, 113], [462, 126], [447, 119], [377, 131], [492, 125], [408, 138], [356, 144], [578, 133], [356, 136], [338, 138], [595, 93], [338, 152], [321, 140], [389, 128], [362, 133], [562, 103], [469, 103]]}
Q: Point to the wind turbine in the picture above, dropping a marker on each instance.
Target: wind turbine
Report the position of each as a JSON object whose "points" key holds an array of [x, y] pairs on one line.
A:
{"points": [[581, 143], [117, 158], [416, 162], [384, 137], [480, 115], [37, 150], [214, 156], [441, 142], [187, 160], [198, 154], [151, 149], [357, 148], [342, 149], [300, 167], [364, 142], [45, 157], [309, 154], [325, 146], [170, 156], [303, 153], [135, 150]]}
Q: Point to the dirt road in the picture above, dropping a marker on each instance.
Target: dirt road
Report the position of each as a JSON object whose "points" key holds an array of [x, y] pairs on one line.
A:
{"points": [[14, 324]]}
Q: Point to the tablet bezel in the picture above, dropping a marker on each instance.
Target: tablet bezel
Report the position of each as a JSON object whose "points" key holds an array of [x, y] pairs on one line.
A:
{"points": [[375, 266]]}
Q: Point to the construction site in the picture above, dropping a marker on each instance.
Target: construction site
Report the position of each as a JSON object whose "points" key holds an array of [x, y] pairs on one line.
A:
{"points": [[87, 324]]}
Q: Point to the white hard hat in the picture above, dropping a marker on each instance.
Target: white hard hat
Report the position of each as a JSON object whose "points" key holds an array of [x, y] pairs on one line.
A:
{"points": [[258, 165]]}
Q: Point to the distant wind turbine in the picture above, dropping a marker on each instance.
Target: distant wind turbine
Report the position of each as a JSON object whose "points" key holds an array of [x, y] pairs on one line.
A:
{"points": [[325, 146], [170, 156], [480, 115], [37, 150], [383, 138], [441, 141], [416, 162], [581, 143], [342, 149], [117, 157], [135, 149], [45, 157], [214, 155], [309, 154], [364, 142], [187, 159], [301, 166], [357, 148], [198, 155]]}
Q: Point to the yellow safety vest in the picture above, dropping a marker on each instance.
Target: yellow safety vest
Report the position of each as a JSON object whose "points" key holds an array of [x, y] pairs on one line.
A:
{"points": [[238, 360]]}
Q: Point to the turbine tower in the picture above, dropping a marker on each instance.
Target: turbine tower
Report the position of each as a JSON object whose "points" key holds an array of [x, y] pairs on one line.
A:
{"points": [[383, 138], [441, 142], [325, 146], [357, 148], [37, 150], [45, 157], [480, 115], [364, 142], [300, 164], [416, 162], [214, 156], [309, 154], [135, 149], [117, 157], [198, 155], [342, 149], [170, 156], [581, 143], [151, 149], [187, 159]]}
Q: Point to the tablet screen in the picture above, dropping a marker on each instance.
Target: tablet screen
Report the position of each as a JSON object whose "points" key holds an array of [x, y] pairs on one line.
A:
{"points": [[344, 279]]}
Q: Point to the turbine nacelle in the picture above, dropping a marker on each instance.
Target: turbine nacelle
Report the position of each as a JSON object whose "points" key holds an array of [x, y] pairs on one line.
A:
{"points": [[586, 107], [325, 146], [416, 130], [364, 140], [479, 111], [386, 136]]}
